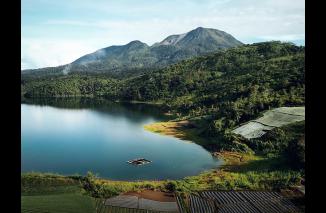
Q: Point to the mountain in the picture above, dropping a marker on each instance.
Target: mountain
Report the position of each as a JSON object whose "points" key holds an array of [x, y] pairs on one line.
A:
{"points": [[202, 39], [266, 70], [138, 55], [221, 90]]}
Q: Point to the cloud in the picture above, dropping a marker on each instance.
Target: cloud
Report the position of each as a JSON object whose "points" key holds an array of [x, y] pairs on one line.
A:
{"points": [[289, 37], [243, 19], [37, 53]]}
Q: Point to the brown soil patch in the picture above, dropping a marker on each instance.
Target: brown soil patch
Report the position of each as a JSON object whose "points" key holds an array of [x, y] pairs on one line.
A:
{"points": [[154, 195]]}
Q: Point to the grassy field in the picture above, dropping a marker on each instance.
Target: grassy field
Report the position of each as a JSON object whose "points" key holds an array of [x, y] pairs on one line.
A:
{"points": [[57, 203], [54, 194]]}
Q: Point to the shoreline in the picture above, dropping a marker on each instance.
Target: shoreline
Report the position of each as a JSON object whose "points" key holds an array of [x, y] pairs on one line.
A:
{"points": [[185, 130], [237, 171]]}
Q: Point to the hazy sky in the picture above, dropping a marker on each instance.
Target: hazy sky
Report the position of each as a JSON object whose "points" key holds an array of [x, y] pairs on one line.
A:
{"points": [[56, 32]]}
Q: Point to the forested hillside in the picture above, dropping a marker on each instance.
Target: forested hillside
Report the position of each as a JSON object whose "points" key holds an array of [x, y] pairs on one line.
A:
{"points": [[262, 75], [231, 87]]}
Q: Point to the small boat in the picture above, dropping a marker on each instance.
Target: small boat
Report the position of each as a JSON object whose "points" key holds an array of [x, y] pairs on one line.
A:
{"points": [[139, 161]]}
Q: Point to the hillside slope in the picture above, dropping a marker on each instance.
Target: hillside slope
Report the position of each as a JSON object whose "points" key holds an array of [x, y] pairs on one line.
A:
{"points": [[226, 88], [138, 55]]}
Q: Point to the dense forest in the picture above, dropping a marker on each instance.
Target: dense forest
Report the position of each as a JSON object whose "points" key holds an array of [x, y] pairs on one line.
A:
{"points": [[225, 89]]}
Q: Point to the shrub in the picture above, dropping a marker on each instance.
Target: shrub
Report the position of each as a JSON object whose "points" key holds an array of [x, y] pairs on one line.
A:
{"points": [[171, 186], [296, 153]]}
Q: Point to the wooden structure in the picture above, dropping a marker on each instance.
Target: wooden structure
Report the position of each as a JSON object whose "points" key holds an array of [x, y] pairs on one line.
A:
{"points": [[139, 161], [209, 202], [145, 201]]}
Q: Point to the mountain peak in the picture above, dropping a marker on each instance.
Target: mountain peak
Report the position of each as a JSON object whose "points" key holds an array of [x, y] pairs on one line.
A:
{"points": [[201, 36], [172, 39], [136, 43], [200, 29], [209, 39], [136, 54]]}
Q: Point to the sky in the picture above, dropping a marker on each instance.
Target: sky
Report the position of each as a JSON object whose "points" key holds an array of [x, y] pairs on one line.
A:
{"points": [[58, 32]]}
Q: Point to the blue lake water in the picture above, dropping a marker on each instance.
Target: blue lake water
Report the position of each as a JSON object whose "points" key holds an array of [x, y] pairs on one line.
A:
{"points": [[73, 138]]}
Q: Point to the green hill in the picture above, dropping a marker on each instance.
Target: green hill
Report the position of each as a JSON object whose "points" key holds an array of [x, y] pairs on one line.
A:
{"points": [[226, 88]]}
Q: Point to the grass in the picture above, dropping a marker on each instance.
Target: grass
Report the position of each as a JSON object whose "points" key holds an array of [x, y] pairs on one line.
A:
{"points": [[183, 129], [46, 183], [44, 192], [244, 171], [169, 128], [57, 203]]}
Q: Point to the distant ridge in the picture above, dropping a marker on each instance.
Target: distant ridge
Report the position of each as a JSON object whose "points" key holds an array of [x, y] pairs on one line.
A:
{"points": [[138, 55]]}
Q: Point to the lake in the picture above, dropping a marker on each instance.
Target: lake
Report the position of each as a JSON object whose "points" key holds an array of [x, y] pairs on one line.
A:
{"points": [[73, 136]]}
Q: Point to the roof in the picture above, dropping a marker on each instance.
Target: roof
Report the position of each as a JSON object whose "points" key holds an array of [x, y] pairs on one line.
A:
{"points": [[154, 201], [240, 201], [201, 202]]}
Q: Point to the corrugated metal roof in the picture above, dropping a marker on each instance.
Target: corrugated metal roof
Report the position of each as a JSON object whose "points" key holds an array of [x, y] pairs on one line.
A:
{"points": [[218, 201], [134, 202], [249, 201], [199, 205]]}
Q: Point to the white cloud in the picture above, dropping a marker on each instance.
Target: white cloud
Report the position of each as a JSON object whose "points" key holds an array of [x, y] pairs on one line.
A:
{"points": [[243, 19], [289, 37], [37, 53]]}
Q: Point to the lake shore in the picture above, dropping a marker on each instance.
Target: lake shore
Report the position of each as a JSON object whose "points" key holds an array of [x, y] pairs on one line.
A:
{"points": [[240, 171], [238, 164], [185, 130]]}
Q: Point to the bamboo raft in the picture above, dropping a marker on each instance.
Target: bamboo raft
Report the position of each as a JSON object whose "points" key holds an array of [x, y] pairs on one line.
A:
{"points": [[139, 161]]}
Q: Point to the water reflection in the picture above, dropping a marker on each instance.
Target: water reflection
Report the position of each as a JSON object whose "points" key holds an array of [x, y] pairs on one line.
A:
{"points": [[133, 111], [71, 136]]}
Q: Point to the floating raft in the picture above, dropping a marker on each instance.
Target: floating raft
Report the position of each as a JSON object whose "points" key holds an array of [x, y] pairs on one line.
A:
{"points": [[139, 161]]}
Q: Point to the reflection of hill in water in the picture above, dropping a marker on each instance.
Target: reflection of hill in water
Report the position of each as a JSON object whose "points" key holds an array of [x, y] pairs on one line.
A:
{"points": [[135, 112]]}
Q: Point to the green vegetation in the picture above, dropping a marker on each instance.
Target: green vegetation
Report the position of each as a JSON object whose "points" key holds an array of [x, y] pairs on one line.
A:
{"points": [[73, 203], [278, 140], [37, 184], [68, 86], [230, 87], [210, 95], [54, 193]]}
